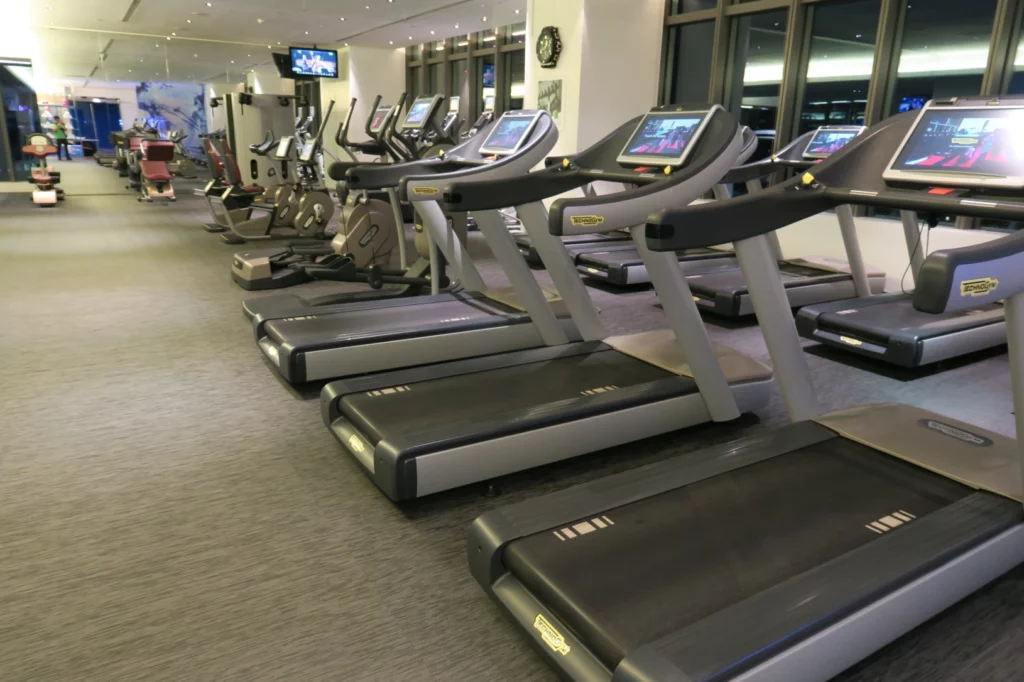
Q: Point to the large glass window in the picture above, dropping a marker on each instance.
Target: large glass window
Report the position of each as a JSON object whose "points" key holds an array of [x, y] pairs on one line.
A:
{"points": [[682, 6], [688, 54], [515, 81], [458, 86], [415, 53], [945, 50], [842, 55], [515, 34], [485, 39], [21, 116], [435, 79], [414, 83], [758, 47], [435, 49], [460, 43]]}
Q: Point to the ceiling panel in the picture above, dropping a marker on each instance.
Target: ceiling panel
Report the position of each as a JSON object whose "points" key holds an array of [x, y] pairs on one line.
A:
{"points": [[195, 39]]}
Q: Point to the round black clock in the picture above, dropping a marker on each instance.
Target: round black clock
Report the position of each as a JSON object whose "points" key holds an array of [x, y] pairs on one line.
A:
{"points": [[549, 46]]}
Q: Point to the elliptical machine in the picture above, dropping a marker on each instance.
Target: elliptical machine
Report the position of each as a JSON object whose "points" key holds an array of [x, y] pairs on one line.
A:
{"points": [[313, 212], [183, 165]]}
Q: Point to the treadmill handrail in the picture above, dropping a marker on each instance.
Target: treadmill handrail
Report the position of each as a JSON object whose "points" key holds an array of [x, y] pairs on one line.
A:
{"points": [[626, 209], [970, 276], [770, 164], [491, 194], [544, 133]]}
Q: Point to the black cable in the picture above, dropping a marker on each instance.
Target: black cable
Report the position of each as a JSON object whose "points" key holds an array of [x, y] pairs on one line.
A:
{"points": [[920, 231]]}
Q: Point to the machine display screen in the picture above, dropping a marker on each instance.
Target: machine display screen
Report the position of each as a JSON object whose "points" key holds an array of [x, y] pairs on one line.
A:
{"points": [[417, 116], [378, 119], [307, 151], [453, 103], [964, 142], [662, 138], [509, 133], [314, 63], [828, 141]]}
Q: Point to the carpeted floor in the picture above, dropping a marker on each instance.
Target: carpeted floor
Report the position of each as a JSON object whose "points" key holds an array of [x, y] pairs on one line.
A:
{"points": [[169, 510]]}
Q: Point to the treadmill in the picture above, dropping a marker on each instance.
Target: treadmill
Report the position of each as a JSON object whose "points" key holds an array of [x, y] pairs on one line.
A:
{"points": [[888, 327], [423, 430], [795, 554], [348, 339]]}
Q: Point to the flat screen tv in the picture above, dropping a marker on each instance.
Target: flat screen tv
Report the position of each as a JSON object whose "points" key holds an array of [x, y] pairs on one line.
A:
{"points": [[488, 75], [912, 103], [308, 63]]}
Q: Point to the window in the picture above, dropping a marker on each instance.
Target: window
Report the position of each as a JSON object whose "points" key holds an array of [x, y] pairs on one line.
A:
{"points": [[414, 83], [435, 49], [754, 74], [486, 39], [841, 58], [945, 51], [515, 81], [515, 34], [460, 43], [683, 6], [435, 79], [415, 53], [458, 86], [688, 55]]}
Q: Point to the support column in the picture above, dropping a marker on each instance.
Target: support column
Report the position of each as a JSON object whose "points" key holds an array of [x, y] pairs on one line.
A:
{"points": [[609, 67]]}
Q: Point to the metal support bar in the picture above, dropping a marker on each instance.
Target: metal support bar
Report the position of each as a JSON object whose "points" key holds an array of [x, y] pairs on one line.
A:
{"points": [[451, 246], [396, 212], [691, 334], [848, 229], [1014, 309], [914, 238], [775, 317], [504, 248]]}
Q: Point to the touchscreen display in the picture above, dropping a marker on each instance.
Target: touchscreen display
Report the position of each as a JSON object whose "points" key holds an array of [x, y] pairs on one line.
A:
{"points": [[663, 137], [974, 141], [418, 112], [378, 118], [307, 151], [317, 63], [827, 142], [508, 134]]}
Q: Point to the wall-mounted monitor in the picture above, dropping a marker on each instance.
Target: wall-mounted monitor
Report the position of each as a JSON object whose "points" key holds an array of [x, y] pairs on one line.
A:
{"points": [[308, 63], [828, 140], [963, 146], [912, 103], [664, 138], [488, 75], [510, 132], [420, 112]]}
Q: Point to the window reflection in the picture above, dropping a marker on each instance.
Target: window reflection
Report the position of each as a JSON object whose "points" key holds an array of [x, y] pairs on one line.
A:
{"points": [[945, 50], [840, 63], [688, 54], [755, 72]]}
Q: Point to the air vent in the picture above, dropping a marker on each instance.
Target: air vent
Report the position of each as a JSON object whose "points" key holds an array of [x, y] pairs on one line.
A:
{"points": [[131, 10]]}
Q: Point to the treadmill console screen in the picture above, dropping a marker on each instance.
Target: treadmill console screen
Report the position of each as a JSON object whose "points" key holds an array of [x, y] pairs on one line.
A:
{"points": [[418, 112], [378, 119], [663, 138], [510, 132], [976, 147], [828, 140]]}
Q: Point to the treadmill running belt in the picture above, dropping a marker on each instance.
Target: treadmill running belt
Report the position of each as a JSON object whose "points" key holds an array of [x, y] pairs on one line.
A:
{"points": [[630, 256], [496, 402], [878, 322], [668, 561]]}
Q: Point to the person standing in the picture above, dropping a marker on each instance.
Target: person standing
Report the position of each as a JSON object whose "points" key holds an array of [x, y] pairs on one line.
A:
{"points": [[60, 136]]}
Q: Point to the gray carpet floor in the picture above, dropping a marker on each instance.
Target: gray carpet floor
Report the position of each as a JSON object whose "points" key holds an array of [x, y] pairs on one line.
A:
{"points": [[169, 510]]}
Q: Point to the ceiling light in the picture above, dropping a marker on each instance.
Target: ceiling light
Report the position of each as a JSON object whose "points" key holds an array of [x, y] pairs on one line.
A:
{"points": [[343, 18], [431, 33], [248, 55], [456, 25], [129, 70], [232, 61], [346, 44], [410, 37], [196, 56], [517, 11], [485, 18], [188, 21], [259, 20], [173, 34], [859, 35], [209, 4], [279, 42], [392, 42], [307, 33]]}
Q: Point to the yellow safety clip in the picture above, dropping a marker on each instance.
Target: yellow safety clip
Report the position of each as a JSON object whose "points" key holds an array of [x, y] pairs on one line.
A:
{"points": [[808, 179], [565, 163], [668, 170]]}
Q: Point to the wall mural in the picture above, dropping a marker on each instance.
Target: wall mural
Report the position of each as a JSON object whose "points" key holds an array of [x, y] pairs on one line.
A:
{"points": [[175, 106]]}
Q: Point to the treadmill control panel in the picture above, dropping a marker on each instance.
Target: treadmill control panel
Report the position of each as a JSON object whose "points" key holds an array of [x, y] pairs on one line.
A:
{"points": [[963, 146], [828, 140], [664, 138]]}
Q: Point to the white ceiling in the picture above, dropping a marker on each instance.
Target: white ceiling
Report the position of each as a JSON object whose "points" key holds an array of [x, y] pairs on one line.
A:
{"points": [[182, 40]]}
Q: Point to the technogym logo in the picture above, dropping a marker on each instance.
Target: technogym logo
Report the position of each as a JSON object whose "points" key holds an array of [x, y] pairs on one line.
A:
{"points": [[978, 287], [954, 432], [552, 637], [586, 220]]}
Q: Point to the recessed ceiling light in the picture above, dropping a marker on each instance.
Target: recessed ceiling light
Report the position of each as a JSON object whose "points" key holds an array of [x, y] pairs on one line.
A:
{"points": [[188, 21], [279, 42], [129, 70], [307, 33], [431, 33], [343, 18], [410, 37], [259, 20], [517, 11], [456, 25], [346, 44], [209, 4], [392, 42], [248, 55], [173, 34], [485, 18]]}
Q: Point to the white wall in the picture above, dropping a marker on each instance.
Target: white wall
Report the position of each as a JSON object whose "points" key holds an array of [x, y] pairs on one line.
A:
{"points": [[266, 81], [336, 89], [881, 242], [620, 66], [568, 17], [372, 72]]}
